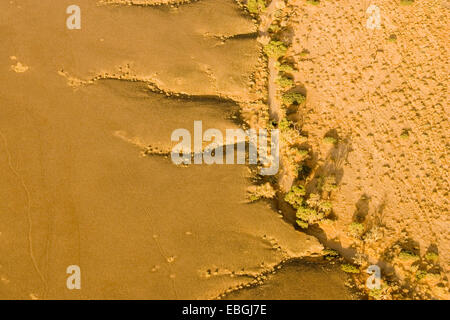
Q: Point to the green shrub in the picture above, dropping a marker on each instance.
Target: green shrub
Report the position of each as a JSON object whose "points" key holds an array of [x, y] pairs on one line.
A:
{"points": [[355, 229], [349, 268], [325, 206], [295, 196], [407, 255], [291, 98], [309, 215], [330, 140], [313, 2], [285, 124], [406, 2], [421, 274], [432, 256], [286, 68], [275, 49], [274, 28], [328, 183], [404, 134], [285, 82], [256, 6], [330, 254], [302, 224]]}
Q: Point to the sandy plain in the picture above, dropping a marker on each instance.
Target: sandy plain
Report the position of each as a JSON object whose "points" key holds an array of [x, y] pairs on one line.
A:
{"points": [[79, 108]]}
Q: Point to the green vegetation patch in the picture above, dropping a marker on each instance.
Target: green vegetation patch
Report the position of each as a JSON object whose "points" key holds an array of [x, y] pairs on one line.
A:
{"points": [[330, 254], [284, 67], [291, 98], [356, 229], [256, 6], [406, 2], [330, 140], [295, 196], [275, 49], [285, 82], [349, 268], [407, 255], [432, 256]]}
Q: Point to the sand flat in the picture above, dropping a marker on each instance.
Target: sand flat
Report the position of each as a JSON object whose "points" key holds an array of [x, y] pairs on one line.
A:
{"points": [[72, 192]]}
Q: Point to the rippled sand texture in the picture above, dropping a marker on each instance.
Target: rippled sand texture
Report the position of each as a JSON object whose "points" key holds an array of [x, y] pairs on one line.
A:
{"points": [[75, 114]]}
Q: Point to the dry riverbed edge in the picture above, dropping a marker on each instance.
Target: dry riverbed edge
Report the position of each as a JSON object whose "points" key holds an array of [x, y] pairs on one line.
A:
{"points": [[414, 274]]}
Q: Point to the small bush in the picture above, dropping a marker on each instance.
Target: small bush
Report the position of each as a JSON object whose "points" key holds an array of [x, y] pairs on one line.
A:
{"points": [[285, 124], [286, 68], [330, 254], [421, 274], [330, 140], [355, 229], [404, 134], [285, 82], [309, 215], [313, 2], [406, 2], [275, 49], [407, 255], [274, 28], [302, 224], [349, 268], [325, 206], [328, 183], [295, 196], [255, 193], [431, 256], [256, 6], [291, 98], [392, 38]]}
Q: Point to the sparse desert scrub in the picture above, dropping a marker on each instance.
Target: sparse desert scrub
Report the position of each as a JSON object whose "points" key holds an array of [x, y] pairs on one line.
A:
{"points": [[314, 207], [256, 6], [421, 274], [330, 254], [349, 268], [355, 229], [406, 166], [295, 196], [265, 191], [407, 255], [432, 257], [374, 234]]}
